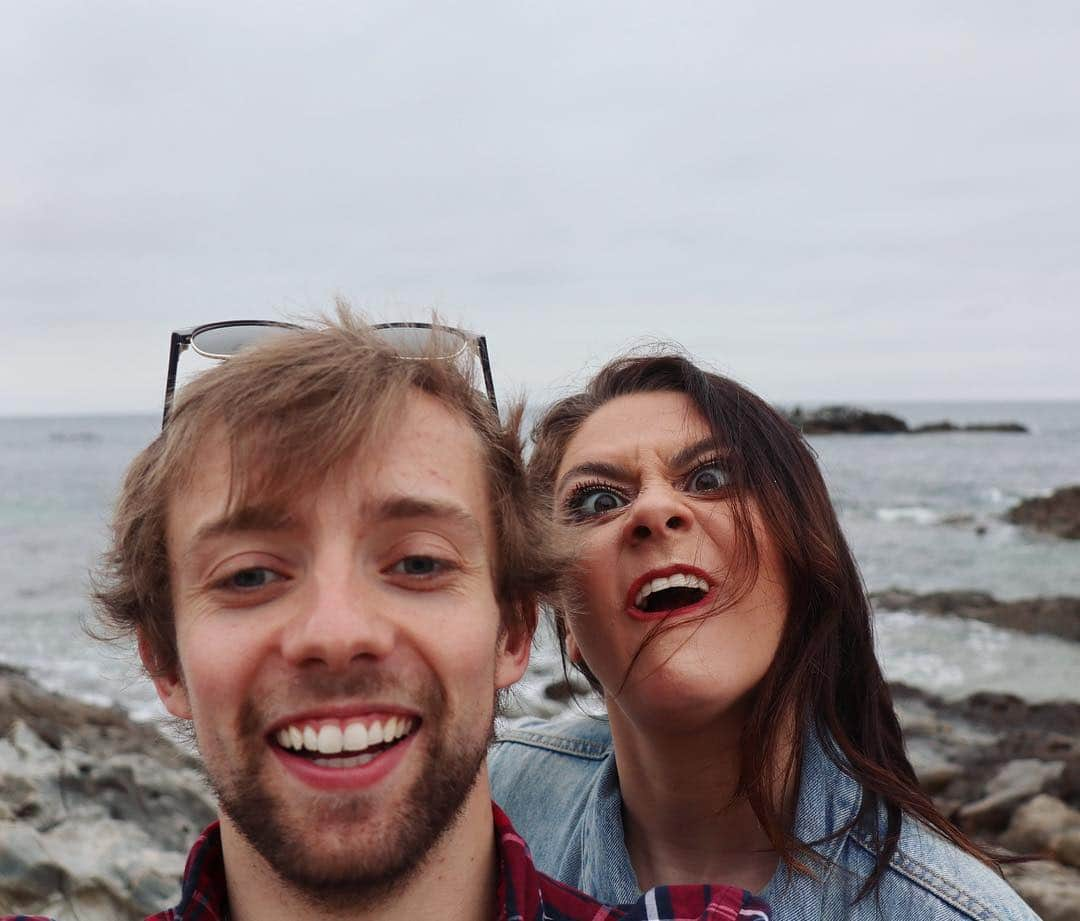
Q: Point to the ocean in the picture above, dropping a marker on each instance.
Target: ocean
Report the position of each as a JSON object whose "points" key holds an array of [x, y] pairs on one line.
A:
{"points": [[922, 512]]}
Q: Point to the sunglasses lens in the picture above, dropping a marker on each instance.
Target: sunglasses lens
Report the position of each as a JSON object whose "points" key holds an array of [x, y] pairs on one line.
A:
{"points": [[225, 341], [421, 342]]}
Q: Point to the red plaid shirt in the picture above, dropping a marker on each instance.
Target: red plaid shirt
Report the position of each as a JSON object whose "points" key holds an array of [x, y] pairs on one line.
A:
{"points": [[523, 893]]}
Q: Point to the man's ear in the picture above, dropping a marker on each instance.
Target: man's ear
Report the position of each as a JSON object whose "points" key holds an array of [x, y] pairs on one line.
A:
{"points": [[169, 684], [512, 653]]}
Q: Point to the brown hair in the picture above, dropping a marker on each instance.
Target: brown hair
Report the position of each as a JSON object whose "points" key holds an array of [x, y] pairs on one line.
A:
{"points": [[291, 409], [825, 673]]}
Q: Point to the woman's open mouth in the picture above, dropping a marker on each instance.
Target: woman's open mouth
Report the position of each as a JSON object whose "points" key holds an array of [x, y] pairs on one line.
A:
{"points": [[663, 592]]}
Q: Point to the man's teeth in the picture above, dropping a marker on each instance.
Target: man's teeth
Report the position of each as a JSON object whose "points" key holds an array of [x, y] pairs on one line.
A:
{"points": [[332, 739], [678, 580], [351, 761]]}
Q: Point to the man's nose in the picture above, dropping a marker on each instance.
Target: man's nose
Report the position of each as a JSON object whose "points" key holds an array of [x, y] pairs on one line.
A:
{"points": [[658, 512], [341, 620]]}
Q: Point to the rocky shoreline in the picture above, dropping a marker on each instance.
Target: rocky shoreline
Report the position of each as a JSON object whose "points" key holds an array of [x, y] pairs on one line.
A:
{"points": [[97, 812], [1055, 615]]}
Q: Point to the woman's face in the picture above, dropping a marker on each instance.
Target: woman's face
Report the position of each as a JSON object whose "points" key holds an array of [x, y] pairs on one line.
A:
{"points": [[645, 490]]}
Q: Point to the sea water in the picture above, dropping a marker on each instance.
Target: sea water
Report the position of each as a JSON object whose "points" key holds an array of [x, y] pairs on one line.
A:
{"points": [[922, 512]]}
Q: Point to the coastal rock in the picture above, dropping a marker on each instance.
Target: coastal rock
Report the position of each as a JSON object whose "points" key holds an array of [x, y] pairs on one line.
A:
{"points": [[1066, 848], [1015, 783], [99, 869], [95, 828], [935, 773], [854, 420], [845, 419], [96, 812], [1057, 616], [1058, 513], [1052, 890], [930, 428], [1041, 826]]}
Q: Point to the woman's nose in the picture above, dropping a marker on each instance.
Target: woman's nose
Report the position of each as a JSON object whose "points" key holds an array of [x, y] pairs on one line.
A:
{"points": [[658, 511]]}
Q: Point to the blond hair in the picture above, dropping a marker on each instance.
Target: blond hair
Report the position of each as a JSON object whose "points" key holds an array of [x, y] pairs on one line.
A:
{"points": [[291, 409]]}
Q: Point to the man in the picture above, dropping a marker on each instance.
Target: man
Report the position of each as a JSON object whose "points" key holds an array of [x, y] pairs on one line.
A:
{"points": [[330, 566]]}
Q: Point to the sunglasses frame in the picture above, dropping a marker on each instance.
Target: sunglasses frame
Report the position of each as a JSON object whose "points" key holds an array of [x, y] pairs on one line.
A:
{"points": [[182, 339]]}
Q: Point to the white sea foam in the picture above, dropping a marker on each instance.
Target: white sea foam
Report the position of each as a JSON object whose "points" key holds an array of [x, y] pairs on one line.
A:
{"points": [[954, 657], [914, 513]]}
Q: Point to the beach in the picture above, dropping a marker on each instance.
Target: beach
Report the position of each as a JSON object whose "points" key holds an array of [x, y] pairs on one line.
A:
{"points": [[976, 620]]}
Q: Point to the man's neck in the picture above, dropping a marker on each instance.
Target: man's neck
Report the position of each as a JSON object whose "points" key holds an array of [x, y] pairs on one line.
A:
{"points": [[457, 878]]}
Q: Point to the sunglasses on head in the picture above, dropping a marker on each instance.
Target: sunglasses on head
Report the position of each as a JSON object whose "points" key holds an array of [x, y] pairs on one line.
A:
{"points": [[410, 340]]}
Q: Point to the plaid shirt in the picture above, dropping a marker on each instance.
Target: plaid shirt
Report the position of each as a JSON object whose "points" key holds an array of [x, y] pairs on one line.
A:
{"points": [[523, 893]]}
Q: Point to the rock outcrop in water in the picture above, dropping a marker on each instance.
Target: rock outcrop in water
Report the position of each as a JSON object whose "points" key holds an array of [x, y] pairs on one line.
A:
{"points": [[853, 420], [830, 420], [97, 812], [1058, 513], [1057, 616]]}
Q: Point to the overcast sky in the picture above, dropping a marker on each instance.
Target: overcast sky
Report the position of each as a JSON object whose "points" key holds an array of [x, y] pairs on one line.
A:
{"points": [[836, 200]]}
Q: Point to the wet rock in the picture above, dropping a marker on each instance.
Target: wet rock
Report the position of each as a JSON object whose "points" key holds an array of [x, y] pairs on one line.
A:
{"points": [[96, 812], [1015, 783], [1039, 825], [935, 773], [845, 420], [1052, 890], [931, 428], [850, 420], [1066, 848], [1056, 616], [1058, 513]]}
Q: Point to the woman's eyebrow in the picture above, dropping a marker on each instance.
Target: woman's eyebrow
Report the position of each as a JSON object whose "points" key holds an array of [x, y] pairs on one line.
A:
{"points": [[688, 455], [600, 469]]}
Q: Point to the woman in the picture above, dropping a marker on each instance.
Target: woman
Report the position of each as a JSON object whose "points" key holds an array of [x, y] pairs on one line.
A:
{"points": [[751, 738]]}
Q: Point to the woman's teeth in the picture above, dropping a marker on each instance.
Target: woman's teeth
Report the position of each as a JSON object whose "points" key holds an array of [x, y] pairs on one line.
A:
{"points": [[678, 580], [333, 739]]}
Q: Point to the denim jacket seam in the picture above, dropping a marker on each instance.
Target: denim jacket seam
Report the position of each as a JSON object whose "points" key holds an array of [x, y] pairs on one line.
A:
{"points": [[925, 876], [583, 748]]}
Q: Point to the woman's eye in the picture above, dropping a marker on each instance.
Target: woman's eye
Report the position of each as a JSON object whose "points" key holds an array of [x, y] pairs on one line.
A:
{"points": [[418, 566], [593, 500], [247, 580], [708, 478]]}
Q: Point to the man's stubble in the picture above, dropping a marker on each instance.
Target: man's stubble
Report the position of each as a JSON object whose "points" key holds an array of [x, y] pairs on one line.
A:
{"points": [[368, 863]]}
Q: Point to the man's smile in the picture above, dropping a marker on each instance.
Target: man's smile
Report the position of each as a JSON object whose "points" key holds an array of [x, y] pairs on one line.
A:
{"points": [[311, 745], [358, 739]]}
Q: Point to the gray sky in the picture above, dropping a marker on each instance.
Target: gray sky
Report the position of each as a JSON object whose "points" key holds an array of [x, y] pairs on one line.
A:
{"points": [[835, 200]]}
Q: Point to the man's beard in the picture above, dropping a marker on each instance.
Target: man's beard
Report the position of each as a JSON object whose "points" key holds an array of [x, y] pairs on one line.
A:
{"points": [[369, 862]]}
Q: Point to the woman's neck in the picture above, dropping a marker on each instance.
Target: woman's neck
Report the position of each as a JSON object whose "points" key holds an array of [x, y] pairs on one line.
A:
{"points": [[682, 821]]}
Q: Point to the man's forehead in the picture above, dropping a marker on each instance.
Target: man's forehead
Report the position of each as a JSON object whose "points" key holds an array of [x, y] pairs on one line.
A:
{"points": [[431, 457]]}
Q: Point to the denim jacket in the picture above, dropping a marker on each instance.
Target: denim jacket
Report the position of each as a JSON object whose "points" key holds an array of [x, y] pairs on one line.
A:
{"points": [[558, 783]]}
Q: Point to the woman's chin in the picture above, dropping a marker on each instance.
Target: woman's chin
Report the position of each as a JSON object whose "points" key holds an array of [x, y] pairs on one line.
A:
{"points": [[676, 701]]}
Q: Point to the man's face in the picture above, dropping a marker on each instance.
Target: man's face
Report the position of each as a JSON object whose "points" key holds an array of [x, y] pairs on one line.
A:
{"points": [[363, 610]]}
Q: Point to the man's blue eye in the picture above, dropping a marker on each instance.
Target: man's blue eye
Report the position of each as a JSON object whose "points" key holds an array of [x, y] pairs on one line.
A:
{"points": [[249, 579], [418, 566], [709, 478]]}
